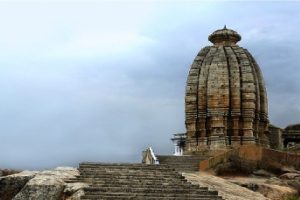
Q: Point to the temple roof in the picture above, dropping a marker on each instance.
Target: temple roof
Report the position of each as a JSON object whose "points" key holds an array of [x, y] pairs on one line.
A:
{"points": [[224, 36], [225, 94]]}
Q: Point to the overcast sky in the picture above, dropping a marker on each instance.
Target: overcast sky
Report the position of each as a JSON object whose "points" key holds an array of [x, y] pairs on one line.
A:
{"points": [[101, 81]]}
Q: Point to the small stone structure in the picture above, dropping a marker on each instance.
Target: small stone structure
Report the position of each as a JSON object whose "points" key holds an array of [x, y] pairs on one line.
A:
{"points": [[179, 143], [275, 137], [291, 134], [287, 138], [148, 157]]}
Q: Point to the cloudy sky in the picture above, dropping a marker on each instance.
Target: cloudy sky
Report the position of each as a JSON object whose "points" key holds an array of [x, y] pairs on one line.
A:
{"points": [[103, 80]]}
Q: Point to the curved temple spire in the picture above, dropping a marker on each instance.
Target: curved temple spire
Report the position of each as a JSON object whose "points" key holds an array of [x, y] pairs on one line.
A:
{"points": [[226, 100]]}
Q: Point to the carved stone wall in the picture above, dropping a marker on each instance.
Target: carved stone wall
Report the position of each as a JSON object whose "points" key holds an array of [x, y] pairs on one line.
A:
{"points": [[275, 137]]}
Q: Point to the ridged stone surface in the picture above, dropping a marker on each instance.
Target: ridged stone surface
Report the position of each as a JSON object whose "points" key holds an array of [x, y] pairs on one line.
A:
{"points": [[226, 101]]}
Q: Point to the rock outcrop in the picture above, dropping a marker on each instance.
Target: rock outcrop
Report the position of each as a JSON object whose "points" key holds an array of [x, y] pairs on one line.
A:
{"points": [[49, 184], [272, 188], [6, 172], [11, 185], [292, 179], [228, 190]]}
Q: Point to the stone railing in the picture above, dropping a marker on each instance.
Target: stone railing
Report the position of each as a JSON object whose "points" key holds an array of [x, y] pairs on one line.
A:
{"points": [[149, 157]]}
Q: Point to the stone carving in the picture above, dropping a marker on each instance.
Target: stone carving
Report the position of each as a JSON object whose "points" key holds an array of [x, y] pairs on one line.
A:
{"points": [[226, 100]]}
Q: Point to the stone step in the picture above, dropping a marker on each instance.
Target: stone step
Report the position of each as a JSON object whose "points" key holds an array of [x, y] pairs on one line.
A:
{"points": [[124, 178], [109, 179], [123, 168], [124, 165], [146, 174], [183, 169], [184, 165], [164, 161], [127, 169], [182, 157], [152, 170], [133, 183], [154, 173], [180, 161], [135, 166], [154, 183], [179, 187], [138, 197], [103, 197], [105, 177], [142, 175], [96, 186], [149, 173], [161, 190], [150, 194], [128, 177], [140, 181]]}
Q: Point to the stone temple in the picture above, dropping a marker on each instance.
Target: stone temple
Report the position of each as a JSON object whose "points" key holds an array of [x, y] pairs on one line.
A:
{"points": [[226, 101], [227, 133]]}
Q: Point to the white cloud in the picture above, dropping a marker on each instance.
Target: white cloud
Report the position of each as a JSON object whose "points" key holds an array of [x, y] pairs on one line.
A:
{"points": [[99, 45]]}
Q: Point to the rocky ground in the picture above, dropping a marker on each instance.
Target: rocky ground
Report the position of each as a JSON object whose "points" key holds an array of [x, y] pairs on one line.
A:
{"points": [[227, 189], [5, 172], [260, 185], [52, 185], [49, 184]]}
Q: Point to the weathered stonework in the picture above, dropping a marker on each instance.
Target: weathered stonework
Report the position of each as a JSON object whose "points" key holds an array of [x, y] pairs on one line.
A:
{"points": [[275, 137], [226, 100], [291, 135]]}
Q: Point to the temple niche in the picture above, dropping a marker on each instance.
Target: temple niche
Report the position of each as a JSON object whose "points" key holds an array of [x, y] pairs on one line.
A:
{"points": [[225, 101]]}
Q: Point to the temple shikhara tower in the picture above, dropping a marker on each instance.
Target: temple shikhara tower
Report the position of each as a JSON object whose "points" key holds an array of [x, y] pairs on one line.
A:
{"points": [[226, 101]]}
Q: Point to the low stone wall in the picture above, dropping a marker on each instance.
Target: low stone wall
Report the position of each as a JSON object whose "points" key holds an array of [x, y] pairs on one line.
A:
{"points": [[251, 157], [214, 161], [274, 160]]}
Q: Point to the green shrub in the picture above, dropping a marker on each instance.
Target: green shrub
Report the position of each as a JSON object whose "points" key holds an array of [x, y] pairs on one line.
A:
{"points": [[292, 198]]}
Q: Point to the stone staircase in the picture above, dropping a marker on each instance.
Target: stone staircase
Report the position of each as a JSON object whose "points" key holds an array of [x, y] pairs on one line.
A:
{"points": [[138, 181], [184, 163]]}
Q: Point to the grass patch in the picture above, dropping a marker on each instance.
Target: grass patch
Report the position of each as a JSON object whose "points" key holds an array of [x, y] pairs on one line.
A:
{"points": [[292, 198]]}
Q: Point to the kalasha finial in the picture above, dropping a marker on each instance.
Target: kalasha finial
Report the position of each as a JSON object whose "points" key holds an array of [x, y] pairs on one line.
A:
{"points": [[224, 37]]}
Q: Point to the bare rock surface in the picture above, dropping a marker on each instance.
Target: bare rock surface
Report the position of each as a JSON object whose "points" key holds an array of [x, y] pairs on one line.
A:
{"points": [[276, 192], [290, 175], [263, 173], [73, 191], [6, 172], [227, 189], [288, 169], [10, 185], [272, 188], [48, 184], [292, 179]]}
